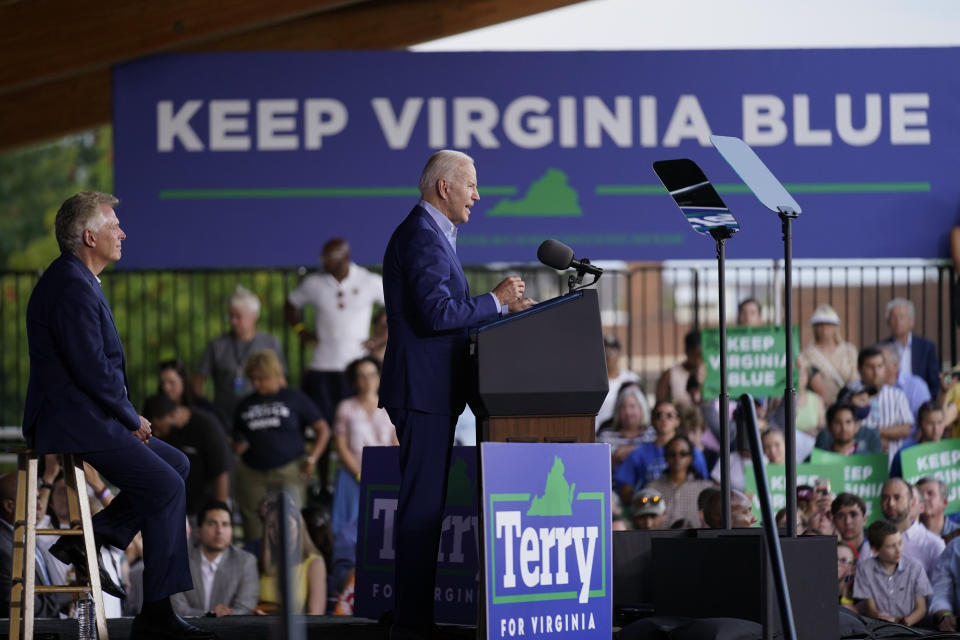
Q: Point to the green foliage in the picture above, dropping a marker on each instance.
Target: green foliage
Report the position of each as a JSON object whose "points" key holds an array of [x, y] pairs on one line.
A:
{"points": [[35, 181]]}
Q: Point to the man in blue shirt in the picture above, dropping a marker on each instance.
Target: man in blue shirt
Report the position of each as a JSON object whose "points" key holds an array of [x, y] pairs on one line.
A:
{"points": [[945, 601]]}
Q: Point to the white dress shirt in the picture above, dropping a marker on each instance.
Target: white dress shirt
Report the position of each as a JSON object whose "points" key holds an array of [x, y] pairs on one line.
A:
{"points": [[208, 570]]}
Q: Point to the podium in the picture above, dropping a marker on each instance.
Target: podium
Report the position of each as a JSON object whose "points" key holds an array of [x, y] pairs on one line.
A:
{"points": [[541, 375]]}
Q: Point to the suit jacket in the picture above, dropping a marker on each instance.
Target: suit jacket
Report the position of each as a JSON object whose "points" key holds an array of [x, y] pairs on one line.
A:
{"points": [[235, 584], [47, 605], [429, 310], [924, 361], [77, 394]]}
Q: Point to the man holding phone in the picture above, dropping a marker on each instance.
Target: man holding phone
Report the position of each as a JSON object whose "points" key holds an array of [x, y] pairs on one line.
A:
{"points": [[886, 408]]}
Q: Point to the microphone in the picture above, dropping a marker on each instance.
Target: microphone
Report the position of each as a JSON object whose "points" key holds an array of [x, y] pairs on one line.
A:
{"points": [[559, 256]]}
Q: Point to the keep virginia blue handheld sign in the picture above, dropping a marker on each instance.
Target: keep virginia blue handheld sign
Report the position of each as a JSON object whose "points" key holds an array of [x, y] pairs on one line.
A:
{"points": [[547, 540]]}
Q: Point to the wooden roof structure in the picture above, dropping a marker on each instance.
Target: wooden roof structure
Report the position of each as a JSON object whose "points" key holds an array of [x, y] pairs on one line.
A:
{"points": [[56, 55]]}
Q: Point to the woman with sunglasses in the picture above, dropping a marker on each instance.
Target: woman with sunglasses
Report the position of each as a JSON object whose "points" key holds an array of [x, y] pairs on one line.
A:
{"points": [[680, 484], [647, 461]]}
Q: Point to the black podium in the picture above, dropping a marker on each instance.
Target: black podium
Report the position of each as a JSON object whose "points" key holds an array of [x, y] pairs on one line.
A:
{"points": [[541, 374]]}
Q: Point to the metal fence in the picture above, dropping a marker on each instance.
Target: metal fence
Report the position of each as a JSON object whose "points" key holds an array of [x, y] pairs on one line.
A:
{"points": [[168, 314]]}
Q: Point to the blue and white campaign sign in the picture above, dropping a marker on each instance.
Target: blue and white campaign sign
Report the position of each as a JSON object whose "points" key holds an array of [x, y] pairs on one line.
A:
{"points": [[455, 595], [546, 514], [236, 159]]}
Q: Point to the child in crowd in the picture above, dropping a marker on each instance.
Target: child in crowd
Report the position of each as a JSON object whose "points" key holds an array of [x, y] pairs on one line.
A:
{"points": [[889, 585]]}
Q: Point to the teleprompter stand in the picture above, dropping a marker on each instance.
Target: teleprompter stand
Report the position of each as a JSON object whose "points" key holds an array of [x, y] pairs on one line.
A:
{"points": [[708, 215], [774, 196]]}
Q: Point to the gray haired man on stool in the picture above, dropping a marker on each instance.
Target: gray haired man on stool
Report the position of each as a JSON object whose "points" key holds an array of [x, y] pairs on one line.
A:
{"points": [[77, 403]]}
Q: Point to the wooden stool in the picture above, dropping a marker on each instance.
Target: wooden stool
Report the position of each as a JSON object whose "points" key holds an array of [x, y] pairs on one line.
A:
{"points": [[25, 532]]}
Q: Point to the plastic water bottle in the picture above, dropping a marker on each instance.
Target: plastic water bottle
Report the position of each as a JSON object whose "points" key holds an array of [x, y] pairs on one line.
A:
{"points": [[86, 618]]}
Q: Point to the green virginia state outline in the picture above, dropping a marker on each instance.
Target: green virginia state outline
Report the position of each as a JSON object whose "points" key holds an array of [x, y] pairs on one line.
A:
{"points": [[557, 494], [548, 196]]}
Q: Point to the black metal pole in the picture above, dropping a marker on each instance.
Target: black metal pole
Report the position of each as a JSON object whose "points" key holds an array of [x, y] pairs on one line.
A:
{"points": [[725, 520], [291, 625], [748, 412], [789, 393]]}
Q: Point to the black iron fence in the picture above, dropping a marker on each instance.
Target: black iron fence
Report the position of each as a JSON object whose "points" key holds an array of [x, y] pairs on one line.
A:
{"points": [[173, 314]]}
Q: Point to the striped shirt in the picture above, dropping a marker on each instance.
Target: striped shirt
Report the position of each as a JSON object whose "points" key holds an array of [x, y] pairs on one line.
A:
{"points": [[888, 408]]}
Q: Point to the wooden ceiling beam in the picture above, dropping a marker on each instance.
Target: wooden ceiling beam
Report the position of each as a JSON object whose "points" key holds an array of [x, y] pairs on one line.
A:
{"points": [[384, 24], [51, 39], [48, 110]]}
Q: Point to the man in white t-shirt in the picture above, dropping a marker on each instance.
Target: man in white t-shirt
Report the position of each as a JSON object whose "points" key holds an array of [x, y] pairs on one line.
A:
{"points": [[342, 296]]}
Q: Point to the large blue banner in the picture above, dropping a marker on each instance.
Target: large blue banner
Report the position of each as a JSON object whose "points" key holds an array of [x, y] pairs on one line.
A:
{"points": [[258, 158]]}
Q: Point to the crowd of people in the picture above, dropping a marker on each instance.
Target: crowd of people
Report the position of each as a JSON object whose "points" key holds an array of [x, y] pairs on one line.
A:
{"points": [[252, 444], [882, 398]]}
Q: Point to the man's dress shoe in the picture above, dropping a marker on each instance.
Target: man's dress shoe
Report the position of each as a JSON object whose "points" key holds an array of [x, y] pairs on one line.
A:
{"points": [[70, 550], [167, 627]]}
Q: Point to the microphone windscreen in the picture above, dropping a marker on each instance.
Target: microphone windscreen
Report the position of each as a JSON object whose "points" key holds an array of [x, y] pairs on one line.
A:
{"points": [[554, 253]]}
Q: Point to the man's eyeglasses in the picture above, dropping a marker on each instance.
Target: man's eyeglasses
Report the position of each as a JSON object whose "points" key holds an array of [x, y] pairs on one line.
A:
{"points": [[649, 500], [664, 414], [679, 454]]}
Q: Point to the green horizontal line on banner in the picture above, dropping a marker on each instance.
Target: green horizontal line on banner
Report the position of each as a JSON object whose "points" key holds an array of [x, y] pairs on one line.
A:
{"points": [[798, 187], [313, 192]]}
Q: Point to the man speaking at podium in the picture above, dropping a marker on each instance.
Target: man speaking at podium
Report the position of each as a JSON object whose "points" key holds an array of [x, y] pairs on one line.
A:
{"points": [[426, 370]]}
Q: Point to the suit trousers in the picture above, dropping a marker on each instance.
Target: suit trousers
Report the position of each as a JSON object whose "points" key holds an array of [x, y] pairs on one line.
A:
{"points": [[426, 444], [152, 500]]}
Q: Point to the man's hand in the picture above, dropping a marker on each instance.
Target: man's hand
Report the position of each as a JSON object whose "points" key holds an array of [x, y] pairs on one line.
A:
{"points": [[948, 623], [307, 467], [860, 399], [307, 336], [221, 610], [510, 290], [143, 433], [520, 305]]}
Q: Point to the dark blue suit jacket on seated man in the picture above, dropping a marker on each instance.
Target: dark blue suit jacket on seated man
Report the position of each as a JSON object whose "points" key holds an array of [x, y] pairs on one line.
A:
{"points": [[426, 375], [77, 403]]}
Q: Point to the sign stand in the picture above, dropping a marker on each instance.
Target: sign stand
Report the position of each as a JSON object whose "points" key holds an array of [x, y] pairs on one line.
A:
{"points": [[708, 215], [774, 196]]}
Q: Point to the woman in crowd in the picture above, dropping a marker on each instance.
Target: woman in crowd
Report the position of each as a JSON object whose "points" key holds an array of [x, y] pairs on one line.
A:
{"points": [[647, 461], [172, 382], [846, 569], [359, 423], [268, 435], [629, 426], [832, 362], [309, 579], [680, 484], [774, 446]]}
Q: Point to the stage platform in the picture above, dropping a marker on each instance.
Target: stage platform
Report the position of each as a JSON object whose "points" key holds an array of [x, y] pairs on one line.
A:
{"points": [[247, 628]]}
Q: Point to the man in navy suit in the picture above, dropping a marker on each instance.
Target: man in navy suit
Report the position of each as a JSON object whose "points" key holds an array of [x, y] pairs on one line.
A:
{"points": [[918, 356], [426, 372], [77, 403]]}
